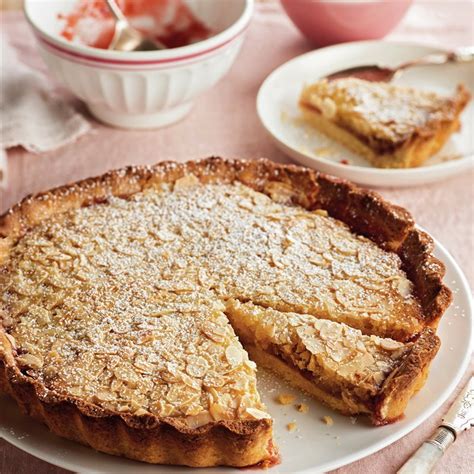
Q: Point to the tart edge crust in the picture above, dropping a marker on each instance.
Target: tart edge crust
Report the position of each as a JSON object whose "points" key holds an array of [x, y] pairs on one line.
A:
{"points": [[236, 443]]}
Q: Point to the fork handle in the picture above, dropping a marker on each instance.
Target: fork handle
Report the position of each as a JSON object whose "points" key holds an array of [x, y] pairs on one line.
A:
{"points": [[429, 453]]}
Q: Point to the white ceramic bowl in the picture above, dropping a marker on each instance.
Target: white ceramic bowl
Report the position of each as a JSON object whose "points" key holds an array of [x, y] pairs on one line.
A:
{"points": [[141, 89]]}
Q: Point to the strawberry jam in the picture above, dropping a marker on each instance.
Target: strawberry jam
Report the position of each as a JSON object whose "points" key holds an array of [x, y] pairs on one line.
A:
{"points": [[170, 21]]}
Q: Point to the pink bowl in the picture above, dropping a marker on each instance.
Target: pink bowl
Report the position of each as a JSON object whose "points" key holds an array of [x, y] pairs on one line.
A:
{"points": [[336, 21]]}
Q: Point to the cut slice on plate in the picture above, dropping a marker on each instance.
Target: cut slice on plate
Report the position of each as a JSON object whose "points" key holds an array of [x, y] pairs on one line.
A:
{"points": [[347, 370], [390, 125]]}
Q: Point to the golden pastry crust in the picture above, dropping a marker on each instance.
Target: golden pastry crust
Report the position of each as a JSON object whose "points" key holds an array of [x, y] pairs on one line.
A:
{"points": [[390, 125], [165, 440]]}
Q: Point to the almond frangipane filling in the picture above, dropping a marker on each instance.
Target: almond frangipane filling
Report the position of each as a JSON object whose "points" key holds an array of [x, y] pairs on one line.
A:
{"points": [[349, 364], [121, 302]]}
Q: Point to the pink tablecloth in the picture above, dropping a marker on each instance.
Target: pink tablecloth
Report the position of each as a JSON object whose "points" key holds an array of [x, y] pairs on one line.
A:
{"points": [[224, 122]]}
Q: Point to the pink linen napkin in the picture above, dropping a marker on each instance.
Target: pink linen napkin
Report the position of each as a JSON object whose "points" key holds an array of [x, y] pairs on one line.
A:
{"points": [[31, 114]]}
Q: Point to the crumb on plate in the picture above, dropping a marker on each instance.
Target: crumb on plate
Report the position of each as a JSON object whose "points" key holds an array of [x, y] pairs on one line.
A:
{"points": [[285, 399], [291, 426], [328, 420], [323, 151], [302, 408]]}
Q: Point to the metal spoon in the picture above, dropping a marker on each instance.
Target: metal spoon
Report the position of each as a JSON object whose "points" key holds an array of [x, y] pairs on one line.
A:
{"points": [[127, 38], [379, 73]]}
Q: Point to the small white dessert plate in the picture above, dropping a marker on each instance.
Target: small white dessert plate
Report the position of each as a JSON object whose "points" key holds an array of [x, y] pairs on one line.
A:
{"points": [[278, 111], [313, 447]]}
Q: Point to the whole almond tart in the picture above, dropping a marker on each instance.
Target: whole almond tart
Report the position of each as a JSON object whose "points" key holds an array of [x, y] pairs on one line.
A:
{"points": [[131, 302]]}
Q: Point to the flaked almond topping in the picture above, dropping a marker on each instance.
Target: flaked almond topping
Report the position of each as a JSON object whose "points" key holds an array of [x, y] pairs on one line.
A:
{"points": [[165, 235], [214, 332], [41, 314], [218, 412], [181, 395], [75, 391], [276, 260], [404, 287], [390, 344], [321, 212], [185, 182], [234, 355], [203, 277], [257, 414], [280, 192], [244, 204], [196, 366], [250, 364], [214, 379], [12, 340], [103, 396], [198, 420], [192, 409], [30, 360]]}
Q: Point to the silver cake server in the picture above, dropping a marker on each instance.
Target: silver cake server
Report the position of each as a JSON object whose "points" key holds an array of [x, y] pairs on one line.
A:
{"points": [[460, 417]]}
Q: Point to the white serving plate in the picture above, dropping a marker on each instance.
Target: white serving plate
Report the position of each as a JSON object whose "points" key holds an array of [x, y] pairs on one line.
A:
{"points": [[313, 447], [278, 112]]}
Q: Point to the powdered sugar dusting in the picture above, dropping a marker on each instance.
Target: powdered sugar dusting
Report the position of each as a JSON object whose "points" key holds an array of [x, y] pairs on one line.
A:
{"points": [[121, 302]]}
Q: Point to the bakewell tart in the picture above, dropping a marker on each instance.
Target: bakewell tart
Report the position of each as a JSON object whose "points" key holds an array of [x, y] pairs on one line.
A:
{"points": [[390, 125], [129, 302]]}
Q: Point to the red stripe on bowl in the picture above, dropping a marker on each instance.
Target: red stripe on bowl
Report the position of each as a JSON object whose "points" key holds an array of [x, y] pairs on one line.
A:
{"points": [[123, 67], [96, 59]]}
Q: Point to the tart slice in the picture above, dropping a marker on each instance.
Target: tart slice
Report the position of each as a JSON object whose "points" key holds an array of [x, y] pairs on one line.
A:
{"points": [[349, 371], [390, 125]]}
